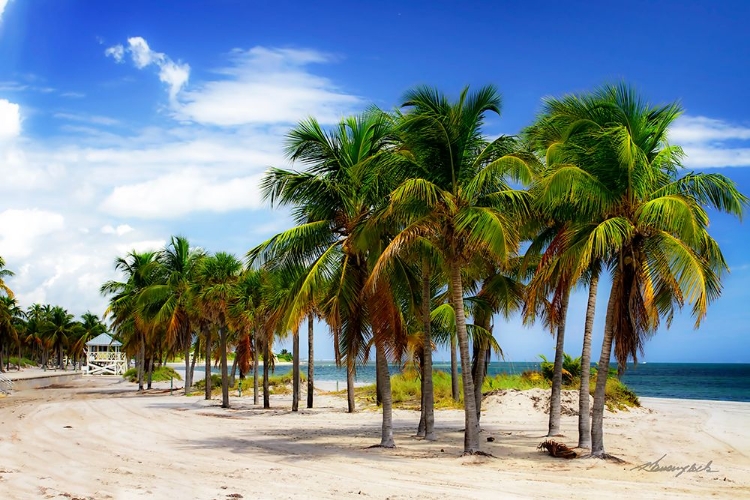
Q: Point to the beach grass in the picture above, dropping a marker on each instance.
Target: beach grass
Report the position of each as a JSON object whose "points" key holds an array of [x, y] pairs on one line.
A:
{"points": [[160, 374]]}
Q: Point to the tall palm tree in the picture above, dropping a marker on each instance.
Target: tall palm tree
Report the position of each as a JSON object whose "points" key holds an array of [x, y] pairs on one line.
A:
{"points": [[171, 297], [638, 216], [91, 326], [218, 276], [129, 320], [464, 204], [331, 200], [62, 329], [11, 326]]}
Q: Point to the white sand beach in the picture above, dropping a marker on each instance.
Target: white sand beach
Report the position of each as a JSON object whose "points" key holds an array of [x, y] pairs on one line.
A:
{"points": [[97, 438]]}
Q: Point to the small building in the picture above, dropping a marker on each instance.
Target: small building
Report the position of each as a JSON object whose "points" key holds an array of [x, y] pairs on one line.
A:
{"points": [[103, 356]]}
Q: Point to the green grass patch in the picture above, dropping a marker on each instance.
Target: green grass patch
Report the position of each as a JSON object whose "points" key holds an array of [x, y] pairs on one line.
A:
{"points": [[277, 384], [25, 362], [160, 374], [406, 389]]}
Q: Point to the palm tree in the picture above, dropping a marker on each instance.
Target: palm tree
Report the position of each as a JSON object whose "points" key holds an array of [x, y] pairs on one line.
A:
{"points": [[172, 296], [636, 215], [91, 326], [332, 199], [11, 326], [218, 276], [126, 304], [62, 329], [5, 273], [463, 204]]}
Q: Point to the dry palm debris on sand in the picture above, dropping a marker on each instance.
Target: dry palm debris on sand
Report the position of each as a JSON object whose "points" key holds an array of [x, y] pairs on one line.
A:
{"points": [[556, 449]]}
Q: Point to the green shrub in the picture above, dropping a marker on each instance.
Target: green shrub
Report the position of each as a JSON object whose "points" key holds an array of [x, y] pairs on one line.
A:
{"points": [[160, 374], [571, 368], [277, 384], [25, 362]]}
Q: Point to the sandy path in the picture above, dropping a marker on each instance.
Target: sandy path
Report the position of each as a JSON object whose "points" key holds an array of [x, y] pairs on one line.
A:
{"points": [[122, 445]]}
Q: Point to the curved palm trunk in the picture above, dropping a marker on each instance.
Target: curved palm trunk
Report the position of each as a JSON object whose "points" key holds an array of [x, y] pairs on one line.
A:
{"points": [[266, 395], [454, 370], [223, 334], [597, 415], [295, 370], [383, 375], [481, 358], [471, 433], [428, 390], [208, 363], [421, 425], [350, 385], [188, 374], [555, 397], [584, 409], [310, 362]]}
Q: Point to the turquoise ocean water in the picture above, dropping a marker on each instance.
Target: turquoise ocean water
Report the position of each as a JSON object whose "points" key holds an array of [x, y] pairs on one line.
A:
{"points": [[719, 382]]}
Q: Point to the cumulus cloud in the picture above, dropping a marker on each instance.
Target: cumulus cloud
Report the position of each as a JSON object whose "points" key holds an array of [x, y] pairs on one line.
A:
{"points": [[3, 4], [266, 85], [174, 74], [178, 194], [20, 229], [710, 142], [119, 230], [10, 119]]}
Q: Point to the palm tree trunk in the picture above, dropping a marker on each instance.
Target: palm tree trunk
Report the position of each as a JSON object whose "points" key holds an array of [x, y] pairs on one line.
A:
{"points": [[381, 362], [295, 370], [59, 358], [454, 370], [188, 375], [208, 363], [350, 385], [255, 369], [310, 362], [584, 418], [378, 386], [141, 362], [471, 433], [266, 395], [555, 397], [428, 390], [233, 371], [421, 425], [150, 369], [479, 370], [195, 358], [597, 416], [223, 333]]}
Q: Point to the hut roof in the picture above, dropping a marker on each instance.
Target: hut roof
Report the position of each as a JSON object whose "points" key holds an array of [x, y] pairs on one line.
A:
{"points": [[103, 339]]}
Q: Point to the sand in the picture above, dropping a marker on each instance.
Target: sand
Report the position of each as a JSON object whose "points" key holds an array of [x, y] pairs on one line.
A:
{"points": [[97, 438]]}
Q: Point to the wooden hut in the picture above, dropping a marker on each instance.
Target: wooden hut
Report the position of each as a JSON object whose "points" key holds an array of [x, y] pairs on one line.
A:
{"points": [[103, 356]]}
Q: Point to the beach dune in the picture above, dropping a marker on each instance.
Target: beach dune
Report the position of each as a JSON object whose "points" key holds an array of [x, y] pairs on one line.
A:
{"points": [[97, 438]]}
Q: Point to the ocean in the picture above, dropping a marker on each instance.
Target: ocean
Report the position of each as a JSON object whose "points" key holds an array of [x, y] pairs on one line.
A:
{"points": [[711, 381]]}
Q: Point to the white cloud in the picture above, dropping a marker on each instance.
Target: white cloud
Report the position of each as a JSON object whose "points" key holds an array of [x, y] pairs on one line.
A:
{"points": [[174, 74], [178, 194], [95, 119], [116, 52], [19, 230], [10, 119], [266, 85], [709, 142], [119, 230], [3, 4]]}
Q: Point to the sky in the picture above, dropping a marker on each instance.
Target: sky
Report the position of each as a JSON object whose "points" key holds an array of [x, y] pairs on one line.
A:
{"points": [[122, 123]]}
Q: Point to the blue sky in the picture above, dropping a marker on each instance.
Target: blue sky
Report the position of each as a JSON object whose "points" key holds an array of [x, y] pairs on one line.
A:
{"points": [[122, 123]]}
